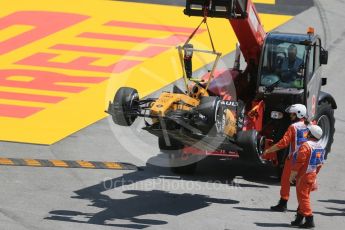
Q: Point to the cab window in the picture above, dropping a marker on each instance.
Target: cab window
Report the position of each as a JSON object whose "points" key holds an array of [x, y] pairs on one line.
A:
{"points": [[284, 62], [311, 62]]}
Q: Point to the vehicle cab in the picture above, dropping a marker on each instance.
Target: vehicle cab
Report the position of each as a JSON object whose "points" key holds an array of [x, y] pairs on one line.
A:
{"points": [[290, 73]]}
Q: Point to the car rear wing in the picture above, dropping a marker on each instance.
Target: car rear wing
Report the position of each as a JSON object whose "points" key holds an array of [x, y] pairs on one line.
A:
{"points": [[217, 8]]}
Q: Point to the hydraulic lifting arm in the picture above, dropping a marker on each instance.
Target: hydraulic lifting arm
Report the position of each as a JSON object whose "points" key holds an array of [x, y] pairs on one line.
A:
{"points": [[243, 18]]}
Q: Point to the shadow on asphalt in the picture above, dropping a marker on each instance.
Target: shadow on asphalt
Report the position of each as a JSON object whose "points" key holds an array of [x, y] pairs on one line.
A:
{"points": [[333, 201], [152, 201], [141, 203], [338, 211], [227, 170], [273, 225], [260, 209], [254, 209]]}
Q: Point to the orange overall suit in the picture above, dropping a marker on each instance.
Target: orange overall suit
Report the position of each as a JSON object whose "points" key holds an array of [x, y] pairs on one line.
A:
{"points": [[295, 136], [307, 163]]}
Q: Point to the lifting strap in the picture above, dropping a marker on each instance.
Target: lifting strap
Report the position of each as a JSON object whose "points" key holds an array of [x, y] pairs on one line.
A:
{"points": [[209, 34], [204, 20]]}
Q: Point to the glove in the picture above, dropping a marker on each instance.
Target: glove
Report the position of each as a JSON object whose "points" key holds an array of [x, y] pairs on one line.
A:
{"points": [[271, 157]]}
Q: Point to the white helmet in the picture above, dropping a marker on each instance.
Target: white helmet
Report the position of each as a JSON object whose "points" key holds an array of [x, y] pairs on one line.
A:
{"points": [[316, 131], [299, 109]]}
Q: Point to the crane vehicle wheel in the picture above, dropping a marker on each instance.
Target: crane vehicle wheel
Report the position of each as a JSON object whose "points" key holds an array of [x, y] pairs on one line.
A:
{"points": [[325, 119]]}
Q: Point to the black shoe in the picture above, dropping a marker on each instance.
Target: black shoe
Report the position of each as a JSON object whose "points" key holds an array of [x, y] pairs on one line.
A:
{"points": [[309, 222], [281, 206], [298, 221]]}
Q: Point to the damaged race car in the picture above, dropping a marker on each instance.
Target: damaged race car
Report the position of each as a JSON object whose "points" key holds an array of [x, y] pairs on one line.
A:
{"points": [[202, 120]]}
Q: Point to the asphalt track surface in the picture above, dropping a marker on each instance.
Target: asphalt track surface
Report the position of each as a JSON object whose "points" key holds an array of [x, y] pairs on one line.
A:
{"points": [[222, 195]]}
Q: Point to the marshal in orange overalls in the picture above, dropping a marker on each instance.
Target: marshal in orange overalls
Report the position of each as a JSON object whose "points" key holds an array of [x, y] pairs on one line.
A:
{"points": [[308, 163], [293, 138]]}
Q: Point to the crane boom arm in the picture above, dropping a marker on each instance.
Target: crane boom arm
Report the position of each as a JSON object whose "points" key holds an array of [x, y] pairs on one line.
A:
{"points": [[243, 18]]}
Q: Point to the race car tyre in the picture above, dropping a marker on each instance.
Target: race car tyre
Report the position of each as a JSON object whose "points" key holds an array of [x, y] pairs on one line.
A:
{"points": [[252, 145], [126, 100], [209, 108]]}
